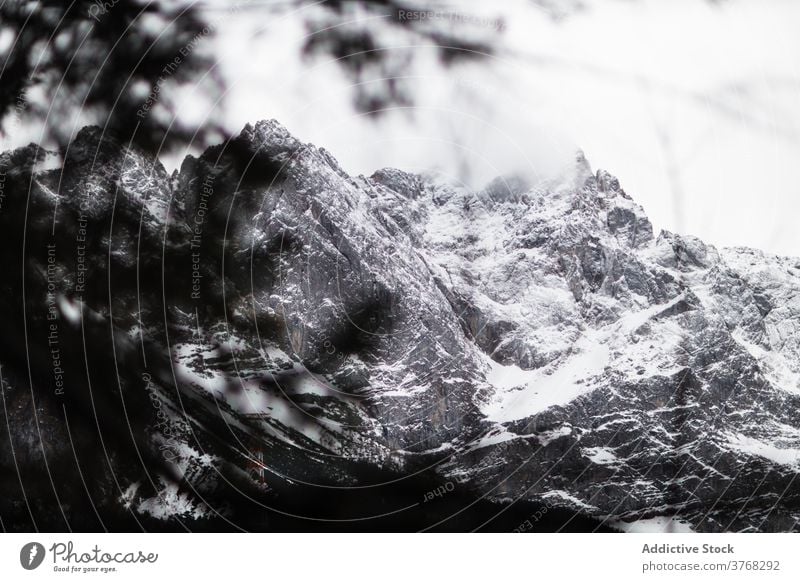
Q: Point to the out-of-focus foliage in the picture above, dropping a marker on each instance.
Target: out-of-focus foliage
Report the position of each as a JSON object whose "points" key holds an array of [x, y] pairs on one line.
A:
{"points": [[374, 42], [111, 63], [121, 63]]}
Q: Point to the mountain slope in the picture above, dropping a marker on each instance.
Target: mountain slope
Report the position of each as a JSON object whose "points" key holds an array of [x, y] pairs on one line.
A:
{"points": [[261, 331]]}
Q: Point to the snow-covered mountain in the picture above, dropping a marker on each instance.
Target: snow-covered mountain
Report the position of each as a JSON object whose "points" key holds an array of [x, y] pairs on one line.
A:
{"points": [[260, 325]]}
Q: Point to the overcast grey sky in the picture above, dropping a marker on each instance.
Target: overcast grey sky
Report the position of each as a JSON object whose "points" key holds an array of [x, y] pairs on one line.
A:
{"points": [[693, 105]]}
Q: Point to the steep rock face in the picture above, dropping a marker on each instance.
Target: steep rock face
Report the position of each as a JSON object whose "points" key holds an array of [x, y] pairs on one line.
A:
{"points": [[270, 323], [317, 251], [630, 376]]}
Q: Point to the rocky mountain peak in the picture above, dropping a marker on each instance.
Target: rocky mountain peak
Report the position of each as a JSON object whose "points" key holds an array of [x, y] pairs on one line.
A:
{"points": [[529, 341]]}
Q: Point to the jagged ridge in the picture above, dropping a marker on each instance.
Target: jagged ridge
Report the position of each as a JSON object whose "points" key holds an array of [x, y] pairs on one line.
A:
{"points": [[527, 341]]}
